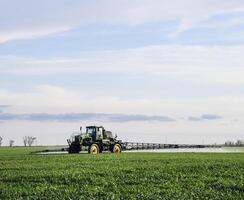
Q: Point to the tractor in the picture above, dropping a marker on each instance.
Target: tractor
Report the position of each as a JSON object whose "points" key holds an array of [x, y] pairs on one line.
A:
{"points": [[97, 139]]}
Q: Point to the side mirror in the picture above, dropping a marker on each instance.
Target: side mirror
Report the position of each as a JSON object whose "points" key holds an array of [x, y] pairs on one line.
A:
{"points": [[115, 136], [80, 128]]}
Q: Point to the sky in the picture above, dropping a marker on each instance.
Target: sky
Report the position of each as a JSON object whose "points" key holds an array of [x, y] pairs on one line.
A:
{"points": [[168, 71]]}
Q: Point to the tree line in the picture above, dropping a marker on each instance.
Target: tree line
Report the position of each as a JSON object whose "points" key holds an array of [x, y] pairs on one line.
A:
{"points": [[27, 141], [238, 143]]}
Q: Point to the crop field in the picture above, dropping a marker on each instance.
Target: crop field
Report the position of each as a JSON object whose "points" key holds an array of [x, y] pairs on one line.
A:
{"points": [[125, 176]]}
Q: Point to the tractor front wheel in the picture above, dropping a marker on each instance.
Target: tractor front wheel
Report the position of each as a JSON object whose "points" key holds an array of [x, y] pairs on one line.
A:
{"points": [[116, 148], [93, 149], [74, 148]]}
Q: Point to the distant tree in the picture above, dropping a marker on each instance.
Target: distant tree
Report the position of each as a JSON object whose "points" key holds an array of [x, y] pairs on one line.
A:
{"points": [[31, 140], [1, 140], [239, 143], [11, 143], [229, 143], [25, 139], [28, 140]]}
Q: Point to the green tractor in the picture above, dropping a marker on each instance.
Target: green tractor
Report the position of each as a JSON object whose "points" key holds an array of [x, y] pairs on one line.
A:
{"points": [[97, 139]]}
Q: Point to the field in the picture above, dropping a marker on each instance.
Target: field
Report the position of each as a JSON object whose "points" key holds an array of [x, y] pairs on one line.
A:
{"points": [[124, 176]]}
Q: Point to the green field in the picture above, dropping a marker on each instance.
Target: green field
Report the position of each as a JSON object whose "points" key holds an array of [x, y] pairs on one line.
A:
{"points": [[124, 176]]}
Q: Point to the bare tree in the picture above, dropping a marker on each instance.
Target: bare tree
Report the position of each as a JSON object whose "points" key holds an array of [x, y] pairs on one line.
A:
{"points": [[25, 139], [239, 143], [11, 143], [1, 140], [31, 140], [229, 143], [28, 140]]}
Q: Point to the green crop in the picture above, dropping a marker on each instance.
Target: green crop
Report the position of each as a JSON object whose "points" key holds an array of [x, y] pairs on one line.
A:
{"points": [[125, 176]]}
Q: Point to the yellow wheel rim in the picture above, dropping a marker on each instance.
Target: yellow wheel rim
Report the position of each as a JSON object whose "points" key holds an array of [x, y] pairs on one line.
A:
{"points": [[117, 148], [94, 149]]}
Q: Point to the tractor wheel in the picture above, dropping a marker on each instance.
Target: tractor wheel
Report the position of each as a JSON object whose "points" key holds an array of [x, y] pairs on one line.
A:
{"points": [[74, 149], [93, 149], [117, 148]]}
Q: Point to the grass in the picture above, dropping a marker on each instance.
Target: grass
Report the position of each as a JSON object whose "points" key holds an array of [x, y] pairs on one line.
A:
{"points": [[240, 149], [124, 176]]}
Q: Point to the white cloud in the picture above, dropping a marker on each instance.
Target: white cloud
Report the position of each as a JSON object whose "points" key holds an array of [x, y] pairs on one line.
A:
{"points": [[28, 19], [55, 100], [52, 99], [204, 64], [30, 33], [194, 64]]}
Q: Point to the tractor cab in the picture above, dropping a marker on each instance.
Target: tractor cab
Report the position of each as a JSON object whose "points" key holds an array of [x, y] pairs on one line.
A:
{"points": [[95, 132]]}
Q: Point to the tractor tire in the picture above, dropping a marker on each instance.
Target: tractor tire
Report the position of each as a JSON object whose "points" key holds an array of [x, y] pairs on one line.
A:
{"points": [[74, 149], [71, 151], [93, 149], [117, 148]]}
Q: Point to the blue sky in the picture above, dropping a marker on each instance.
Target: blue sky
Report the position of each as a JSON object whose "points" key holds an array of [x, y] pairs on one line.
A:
{"points": [[142, 60]]}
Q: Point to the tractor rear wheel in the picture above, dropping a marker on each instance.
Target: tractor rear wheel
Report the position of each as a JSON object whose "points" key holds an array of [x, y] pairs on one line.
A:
{"points": [[117, 148], [93, 149]]}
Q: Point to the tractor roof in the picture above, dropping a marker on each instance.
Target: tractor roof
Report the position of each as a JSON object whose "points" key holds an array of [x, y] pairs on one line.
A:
{"points": [[95, 127]]}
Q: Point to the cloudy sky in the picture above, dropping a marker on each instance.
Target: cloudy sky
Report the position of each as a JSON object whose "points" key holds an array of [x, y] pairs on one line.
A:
{"points": [[145, 69]]}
